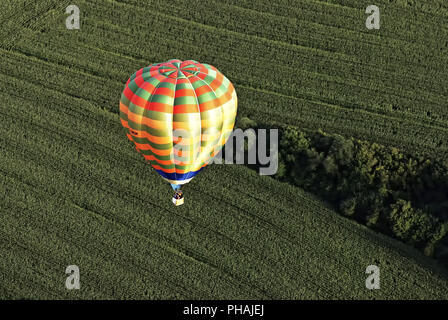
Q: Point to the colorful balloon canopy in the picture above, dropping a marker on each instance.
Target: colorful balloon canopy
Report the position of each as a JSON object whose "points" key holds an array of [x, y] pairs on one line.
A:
{"points": [[179, 114]]}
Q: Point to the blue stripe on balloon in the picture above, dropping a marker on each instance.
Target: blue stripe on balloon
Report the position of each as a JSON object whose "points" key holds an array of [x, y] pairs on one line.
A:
{"points": [[178, 176]]}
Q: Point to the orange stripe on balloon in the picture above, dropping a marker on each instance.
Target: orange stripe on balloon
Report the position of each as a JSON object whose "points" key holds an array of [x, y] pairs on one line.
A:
{"points": [[128, 93], [162, 162], [149, 87], [156, 124], [167, 162], [164, 91], [184, 93], [138, 101], [150, 137], [193, 79], [163, 152], [124, 123], [224, 98], [183, 125], [182, 171], [217, 82], [158, 140], [159, 152], [201, 90], [123, 107], [209, 105], [142, 146], [185, 108], [202, 74], [160, 107], [134, 117], [157, 167]]}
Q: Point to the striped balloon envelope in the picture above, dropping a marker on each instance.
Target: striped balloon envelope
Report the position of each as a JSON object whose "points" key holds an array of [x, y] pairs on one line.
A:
{"points": [[178, 114]]}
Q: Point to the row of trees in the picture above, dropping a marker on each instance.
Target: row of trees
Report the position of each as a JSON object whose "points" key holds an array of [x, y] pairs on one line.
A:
{"points": [[399, 194]]}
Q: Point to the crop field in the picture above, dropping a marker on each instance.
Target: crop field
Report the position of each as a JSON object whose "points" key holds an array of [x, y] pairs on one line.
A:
{"points": [[73, 191]]}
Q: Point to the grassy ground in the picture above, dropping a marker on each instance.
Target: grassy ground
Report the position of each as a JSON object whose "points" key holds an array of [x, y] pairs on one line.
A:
{"points": [[73, 190]]}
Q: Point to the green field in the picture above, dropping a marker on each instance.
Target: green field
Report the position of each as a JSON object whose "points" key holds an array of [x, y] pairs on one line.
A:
{"points": [[74, 191]]}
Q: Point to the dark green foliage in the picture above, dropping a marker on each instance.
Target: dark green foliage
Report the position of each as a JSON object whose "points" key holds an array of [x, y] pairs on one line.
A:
{"points": [[380, 186], [348, 206], [411, 225], [245, 123]]}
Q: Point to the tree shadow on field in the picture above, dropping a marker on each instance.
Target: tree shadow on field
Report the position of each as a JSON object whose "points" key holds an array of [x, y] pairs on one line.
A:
{"points": [[401, 195]]}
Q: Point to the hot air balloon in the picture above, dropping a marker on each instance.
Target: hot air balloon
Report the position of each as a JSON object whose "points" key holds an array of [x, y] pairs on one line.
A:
{"points": [[179, 114]]}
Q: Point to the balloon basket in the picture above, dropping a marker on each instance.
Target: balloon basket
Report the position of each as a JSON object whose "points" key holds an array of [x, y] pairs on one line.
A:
{"points": [[178, 202]]}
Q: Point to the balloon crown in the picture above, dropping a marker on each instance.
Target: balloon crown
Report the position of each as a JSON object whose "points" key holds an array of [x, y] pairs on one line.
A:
{"points": [[178, 69]]}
